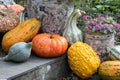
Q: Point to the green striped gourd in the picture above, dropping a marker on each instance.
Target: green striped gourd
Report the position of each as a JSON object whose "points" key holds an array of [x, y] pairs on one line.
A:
{"points": [[114, 53], [72, 33]]}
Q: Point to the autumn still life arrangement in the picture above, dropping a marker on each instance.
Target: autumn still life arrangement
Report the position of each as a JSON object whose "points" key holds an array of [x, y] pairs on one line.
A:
{"points": [[20, 39]]}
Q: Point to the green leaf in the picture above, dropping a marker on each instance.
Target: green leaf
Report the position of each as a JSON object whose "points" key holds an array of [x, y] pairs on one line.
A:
{"points": [[102, 8], [105, 31], [99, 6], [77, 0], [93, 29], [77, 4], [70, 0]]}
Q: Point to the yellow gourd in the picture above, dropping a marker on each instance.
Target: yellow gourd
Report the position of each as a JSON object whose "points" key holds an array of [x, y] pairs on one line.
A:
{"points": [[24, 32], [83, 60], [109, 70]]}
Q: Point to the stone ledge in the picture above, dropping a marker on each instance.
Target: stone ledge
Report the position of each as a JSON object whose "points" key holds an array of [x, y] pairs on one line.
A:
{"points": [[35, 68]]}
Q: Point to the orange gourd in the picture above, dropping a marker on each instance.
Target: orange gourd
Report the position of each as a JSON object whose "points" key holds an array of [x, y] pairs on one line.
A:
{"points": [[24, 32], [49, 45]]}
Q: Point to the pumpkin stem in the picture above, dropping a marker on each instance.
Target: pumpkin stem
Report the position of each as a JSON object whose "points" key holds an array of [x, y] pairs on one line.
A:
{"points": [[51, 36]]}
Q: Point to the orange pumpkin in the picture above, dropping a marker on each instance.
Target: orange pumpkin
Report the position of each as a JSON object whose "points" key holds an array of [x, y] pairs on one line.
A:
{"points": [[49, 45]]}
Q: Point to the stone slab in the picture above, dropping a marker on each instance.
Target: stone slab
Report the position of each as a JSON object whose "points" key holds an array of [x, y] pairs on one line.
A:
{"points": [[35, 68]]}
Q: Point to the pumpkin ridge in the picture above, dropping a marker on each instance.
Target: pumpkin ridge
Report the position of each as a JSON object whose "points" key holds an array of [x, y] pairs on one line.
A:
{"points": [[53, 47], [59, 50]]}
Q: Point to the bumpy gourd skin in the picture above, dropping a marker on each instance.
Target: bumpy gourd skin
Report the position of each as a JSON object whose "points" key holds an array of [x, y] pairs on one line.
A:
{"points": [[83, 60], [24, 32], [109, 70], [8, 19]]}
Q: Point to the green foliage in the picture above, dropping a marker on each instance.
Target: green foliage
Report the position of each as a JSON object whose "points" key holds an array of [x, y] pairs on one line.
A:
{"points": [[111, 7], [21, 2], [100, 7]]}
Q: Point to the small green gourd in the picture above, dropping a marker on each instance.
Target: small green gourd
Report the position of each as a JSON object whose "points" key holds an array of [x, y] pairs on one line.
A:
{"points": [[114, 53], [72, 33], [19, 52]]}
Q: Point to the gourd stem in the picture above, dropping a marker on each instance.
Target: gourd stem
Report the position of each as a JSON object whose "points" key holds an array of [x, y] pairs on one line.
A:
{"points": [[29, 44], [73, 18]]}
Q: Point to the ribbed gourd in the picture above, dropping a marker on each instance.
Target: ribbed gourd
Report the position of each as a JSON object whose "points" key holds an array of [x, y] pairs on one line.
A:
{"points": [[19, 52], [72, 33], [109, 70], [114, 53], [24, 32], [83, 60]]}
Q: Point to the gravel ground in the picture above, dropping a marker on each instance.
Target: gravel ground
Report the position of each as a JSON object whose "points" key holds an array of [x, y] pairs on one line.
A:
{"points": [[74, 77]]}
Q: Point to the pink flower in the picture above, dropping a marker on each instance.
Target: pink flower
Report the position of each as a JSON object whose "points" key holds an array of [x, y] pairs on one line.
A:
{"points": [[118, 33], [86, 17], [102, 18], [91, 23], [116, 25], [107, 26], [98, 26], [95, 20], [86, 27], [101, 24]]}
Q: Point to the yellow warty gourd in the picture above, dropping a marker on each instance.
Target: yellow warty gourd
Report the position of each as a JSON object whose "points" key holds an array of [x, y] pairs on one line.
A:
{"points": [[83, 60], [24, 32]]}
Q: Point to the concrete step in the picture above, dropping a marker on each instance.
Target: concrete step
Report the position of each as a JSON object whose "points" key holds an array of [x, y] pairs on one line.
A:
{"points": [[35, 68]]}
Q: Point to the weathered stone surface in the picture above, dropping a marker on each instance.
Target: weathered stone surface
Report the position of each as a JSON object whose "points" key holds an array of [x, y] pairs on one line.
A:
{"points": [[35, 69], [52, 13], [101, 43]]}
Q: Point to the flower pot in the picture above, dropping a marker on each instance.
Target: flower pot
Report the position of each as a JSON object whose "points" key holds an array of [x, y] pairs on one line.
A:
{"points": [[52, 13], [101, 43]]}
